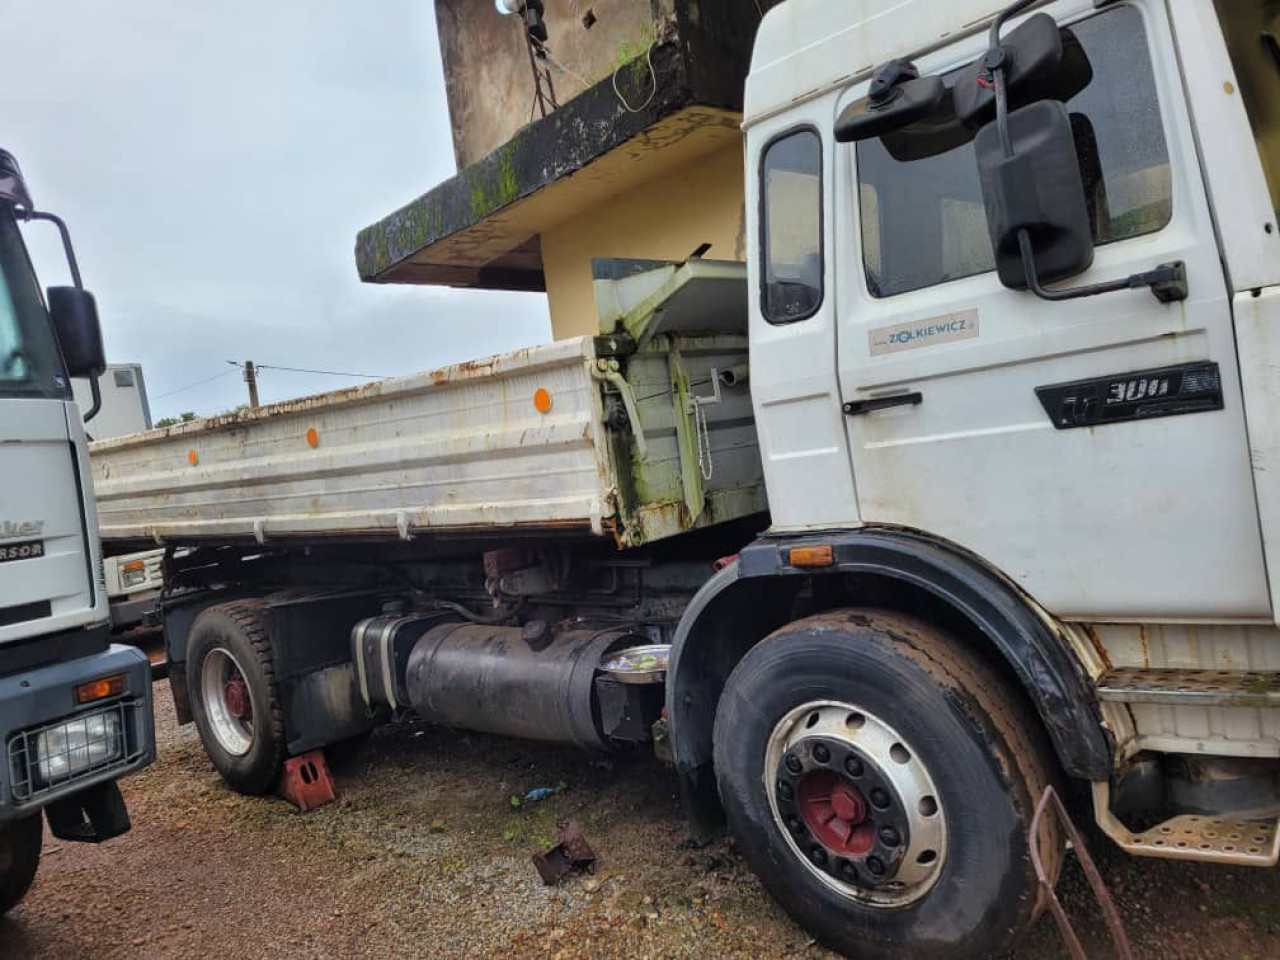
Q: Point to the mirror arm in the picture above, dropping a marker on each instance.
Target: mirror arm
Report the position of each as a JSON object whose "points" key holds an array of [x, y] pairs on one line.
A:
{"points": [[66, 243], [1005, 15], [97, 400], [1168, 282]]}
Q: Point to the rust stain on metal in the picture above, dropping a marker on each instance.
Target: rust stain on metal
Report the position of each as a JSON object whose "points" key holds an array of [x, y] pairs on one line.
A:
{"points": [[1098, 646]]}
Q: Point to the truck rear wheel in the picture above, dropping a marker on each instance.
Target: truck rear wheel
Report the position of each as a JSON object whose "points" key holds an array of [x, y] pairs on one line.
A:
{"points": [[19, 858], [881, 783], [234, 696]]}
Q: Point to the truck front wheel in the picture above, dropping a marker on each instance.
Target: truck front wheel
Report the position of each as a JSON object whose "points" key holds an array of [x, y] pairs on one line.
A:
{"points": [[881, 782], [234, 696], [19, 857]]}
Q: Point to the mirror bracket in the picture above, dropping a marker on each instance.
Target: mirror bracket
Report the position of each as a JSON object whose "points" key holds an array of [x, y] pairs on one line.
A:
{"points": [[1167, 282]]}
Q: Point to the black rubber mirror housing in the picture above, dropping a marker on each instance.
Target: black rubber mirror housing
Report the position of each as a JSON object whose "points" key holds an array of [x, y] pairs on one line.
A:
{"points": [[1039, 189]]}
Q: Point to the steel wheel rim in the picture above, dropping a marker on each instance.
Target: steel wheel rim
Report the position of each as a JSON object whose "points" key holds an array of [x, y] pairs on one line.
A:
{"points": [[232, 728], [824, 810]]}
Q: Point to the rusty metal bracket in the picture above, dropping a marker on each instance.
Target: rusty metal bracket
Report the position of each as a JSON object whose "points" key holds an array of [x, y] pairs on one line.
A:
{"points": [[1099, 887], [570, 853]]}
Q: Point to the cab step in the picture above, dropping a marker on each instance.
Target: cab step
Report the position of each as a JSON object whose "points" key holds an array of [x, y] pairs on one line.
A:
{"points": [[1244, 843], [1200, 688]]}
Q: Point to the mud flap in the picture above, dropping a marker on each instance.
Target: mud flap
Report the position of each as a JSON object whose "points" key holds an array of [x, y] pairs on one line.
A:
{"points": [[90, 816]]}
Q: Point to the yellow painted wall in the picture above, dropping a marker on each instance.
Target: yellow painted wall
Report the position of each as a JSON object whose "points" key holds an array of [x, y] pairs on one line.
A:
{"points": [[664, 219]]}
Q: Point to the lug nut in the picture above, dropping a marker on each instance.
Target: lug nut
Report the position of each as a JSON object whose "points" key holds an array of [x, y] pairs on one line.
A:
{"points": [[848, 872], [821, 753], [784, 790], [889, 836], [875, 866], [794, 824], [793, 763], [818, 856], [879, 798], [854, 767]]}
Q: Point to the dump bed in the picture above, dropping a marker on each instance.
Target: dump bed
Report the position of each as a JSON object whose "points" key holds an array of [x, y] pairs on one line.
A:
{"points": [[618, 436]]}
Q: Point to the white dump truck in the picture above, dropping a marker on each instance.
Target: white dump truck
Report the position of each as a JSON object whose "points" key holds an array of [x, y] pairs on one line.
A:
{"points": [[75, 709], [133, 581], [962, 487]]}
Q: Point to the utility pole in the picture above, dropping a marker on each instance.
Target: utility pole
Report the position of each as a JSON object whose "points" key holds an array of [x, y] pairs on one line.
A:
{"points": [[251, 378]]}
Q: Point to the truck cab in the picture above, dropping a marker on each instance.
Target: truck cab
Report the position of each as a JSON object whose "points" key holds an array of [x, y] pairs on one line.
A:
{"points": [[75, 711], [1013, 348]]}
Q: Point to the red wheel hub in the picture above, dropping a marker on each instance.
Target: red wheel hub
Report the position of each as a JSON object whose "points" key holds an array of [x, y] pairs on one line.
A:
{"points": [[239, 705], [836, 813]]}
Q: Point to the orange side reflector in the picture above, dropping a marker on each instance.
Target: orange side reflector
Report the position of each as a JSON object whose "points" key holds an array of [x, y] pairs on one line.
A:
{"points": [[542, 400], [820, 556], [313, 438], [135, 565], [100, 689], [192, 457]]}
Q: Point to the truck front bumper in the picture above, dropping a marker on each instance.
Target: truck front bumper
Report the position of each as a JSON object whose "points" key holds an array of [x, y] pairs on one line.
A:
{"points": [[55, 747]]}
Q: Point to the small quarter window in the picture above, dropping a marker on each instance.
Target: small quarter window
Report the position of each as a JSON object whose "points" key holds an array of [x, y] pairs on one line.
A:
{"points": [[923, 221], [791, 215]]}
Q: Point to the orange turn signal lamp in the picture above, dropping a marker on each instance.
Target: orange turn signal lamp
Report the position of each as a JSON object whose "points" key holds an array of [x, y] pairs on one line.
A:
{"points": [[821, 555], [100, 689]]}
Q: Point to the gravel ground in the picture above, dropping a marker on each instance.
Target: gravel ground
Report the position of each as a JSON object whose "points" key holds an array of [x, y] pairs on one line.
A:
{"points": [[423, 856]]}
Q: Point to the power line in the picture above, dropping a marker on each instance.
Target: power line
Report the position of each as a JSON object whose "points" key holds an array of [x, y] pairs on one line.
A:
{"points": [[192, 386], [326, 373]]}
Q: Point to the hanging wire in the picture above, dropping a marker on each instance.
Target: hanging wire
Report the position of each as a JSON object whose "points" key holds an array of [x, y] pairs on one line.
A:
{"points": [[653, 76], [192, 386]]}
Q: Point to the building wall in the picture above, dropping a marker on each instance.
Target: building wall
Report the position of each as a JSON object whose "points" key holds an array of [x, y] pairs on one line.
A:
{"points": [[663, 219], [486, 61], [124, 401]]}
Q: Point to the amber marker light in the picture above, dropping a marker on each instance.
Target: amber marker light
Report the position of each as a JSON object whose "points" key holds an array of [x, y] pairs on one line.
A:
{"points": [[100, 689], [542, 400], [818, 556]]}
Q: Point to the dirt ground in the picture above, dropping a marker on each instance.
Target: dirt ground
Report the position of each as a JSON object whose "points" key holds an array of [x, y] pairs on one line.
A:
{"points": [[424, 856]]}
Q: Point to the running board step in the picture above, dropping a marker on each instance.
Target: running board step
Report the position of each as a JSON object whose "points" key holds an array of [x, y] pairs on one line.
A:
{"points": [[1244, 843], [1200, 688]]}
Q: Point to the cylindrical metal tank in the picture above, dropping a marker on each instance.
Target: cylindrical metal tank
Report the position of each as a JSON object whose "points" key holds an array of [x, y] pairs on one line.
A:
{"points": [[500, 680]]}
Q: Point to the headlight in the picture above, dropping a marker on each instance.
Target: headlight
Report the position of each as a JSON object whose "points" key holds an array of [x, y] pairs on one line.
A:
{"points": [[78, 745]]}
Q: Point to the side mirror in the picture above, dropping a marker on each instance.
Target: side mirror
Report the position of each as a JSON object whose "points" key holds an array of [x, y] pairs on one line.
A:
{"points": [[898, 97], [1040, 60], [1032, 188], [75, 321], [1038, 190]]}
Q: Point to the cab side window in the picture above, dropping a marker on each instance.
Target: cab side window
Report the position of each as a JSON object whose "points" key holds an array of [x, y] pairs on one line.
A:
{"points": [[791, 226], [923, 220]]}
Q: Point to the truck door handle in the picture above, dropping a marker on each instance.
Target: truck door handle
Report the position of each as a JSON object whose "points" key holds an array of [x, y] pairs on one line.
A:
{"points": [[858, 407]]}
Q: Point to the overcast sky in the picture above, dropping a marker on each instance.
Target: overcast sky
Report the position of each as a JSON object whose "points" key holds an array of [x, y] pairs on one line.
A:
{"points": [[215, 160]]}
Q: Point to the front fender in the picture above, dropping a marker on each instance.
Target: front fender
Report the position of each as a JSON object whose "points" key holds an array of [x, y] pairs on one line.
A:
{"points": [[754, 596]]}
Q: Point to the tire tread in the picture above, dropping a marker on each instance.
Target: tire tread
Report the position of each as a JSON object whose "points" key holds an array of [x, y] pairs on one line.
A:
{"points": [[248, 617]]}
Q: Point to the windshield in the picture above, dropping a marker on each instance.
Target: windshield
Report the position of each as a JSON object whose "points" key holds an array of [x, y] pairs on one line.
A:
{"points": [[30, 363]]}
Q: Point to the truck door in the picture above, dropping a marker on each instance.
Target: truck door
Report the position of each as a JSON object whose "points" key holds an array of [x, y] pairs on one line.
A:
{"points": [[47, 559], [1095, 505]]}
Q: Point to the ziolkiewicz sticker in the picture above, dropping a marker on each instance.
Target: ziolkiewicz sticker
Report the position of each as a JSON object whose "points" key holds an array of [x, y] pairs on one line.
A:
{"points": [[962, 325]]}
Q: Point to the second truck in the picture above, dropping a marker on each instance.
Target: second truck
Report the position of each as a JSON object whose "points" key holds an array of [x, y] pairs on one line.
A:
{"points": [[961, 487], [75, 709]]}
